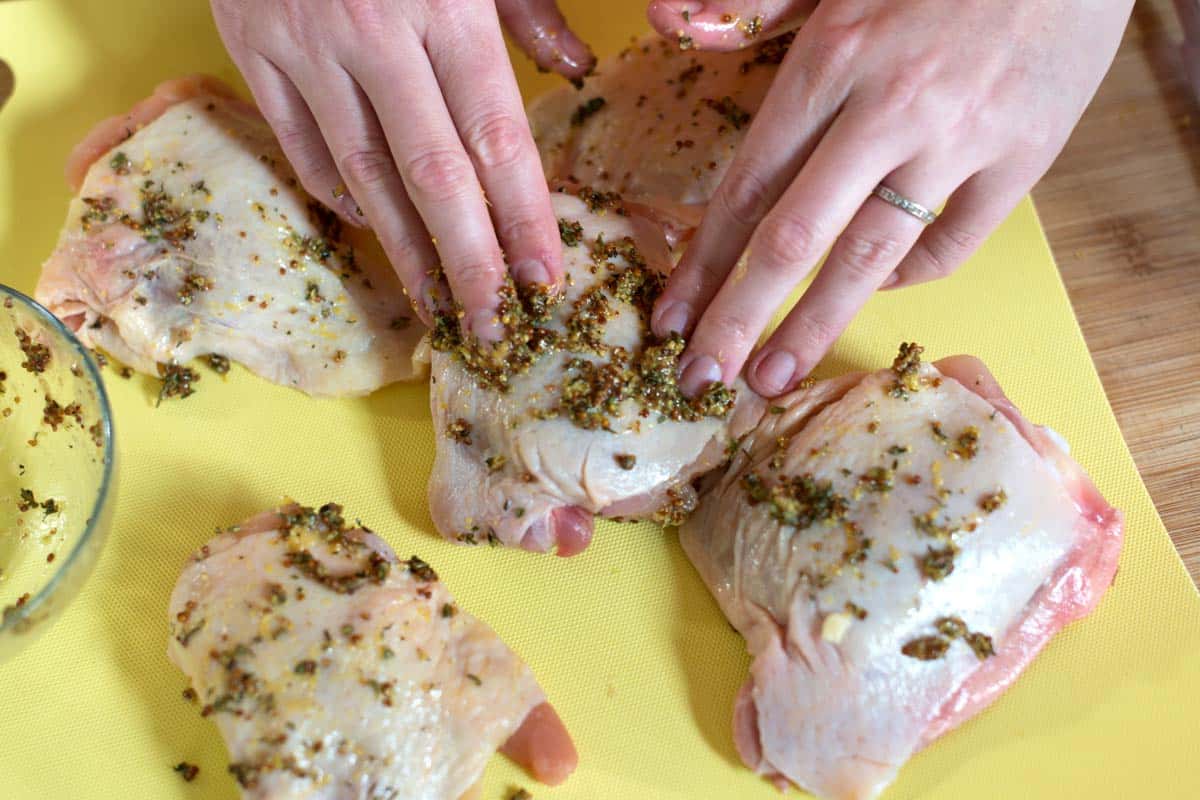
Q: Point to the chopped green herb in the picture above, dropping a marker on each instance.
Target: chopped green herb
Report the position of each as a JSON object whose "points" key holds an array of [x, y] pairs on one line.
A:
{"points": [[420, 570], [798, 501], [734, 114], [937, 564], [570, 231], [176, 380], [586, 110], [119, 163]]}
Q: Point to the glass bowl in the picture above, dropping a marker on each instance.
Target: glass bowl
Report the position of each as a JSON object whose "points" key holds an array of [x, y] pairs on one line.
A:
{"points": [[56, 468]]}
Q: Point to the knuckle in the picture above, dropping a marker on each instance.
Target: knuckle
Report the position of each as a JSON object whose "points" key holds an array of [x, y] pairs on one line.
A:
{"points": [[744, 195], [946, 249], [369, 167], [497, 139], [865, 255], [785, 241], [828, 53], [811, 334], [440, 173], [729, 331], [366, 17], [524, 227], [474, 273]]}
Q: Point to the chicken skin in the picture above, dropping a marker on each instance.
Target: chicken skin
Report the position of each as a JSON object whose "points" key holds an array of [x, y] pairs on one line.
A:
{"points": [[578, 412], [189, 235], [656, 124], [895, 547], [334, 670]]}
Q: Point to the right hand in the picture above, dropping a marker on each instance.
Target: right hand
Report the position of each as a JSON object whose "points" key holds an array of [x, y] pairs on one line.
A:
{"points": [[406, 115]]}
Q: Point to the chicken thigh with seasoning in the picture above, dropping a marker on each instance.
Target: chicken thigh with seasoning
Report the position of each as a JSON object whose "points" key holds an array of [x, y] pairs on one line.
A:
{"points": [[189, 235], [577, 412], [334, 670], [655, 123], [895, 547]]}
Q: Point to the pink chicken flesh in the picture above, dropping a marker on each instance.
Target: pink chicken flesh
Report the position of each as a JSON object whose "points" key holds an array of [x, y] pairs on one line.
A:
{"points": [[895, 547], [334, 670], [190, 235], [524, 465]]}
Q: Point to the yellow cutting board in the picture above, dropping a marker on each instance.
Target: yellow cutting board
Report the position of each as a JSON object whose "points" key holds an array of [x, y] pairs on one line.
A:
{"points": [[624, 638]]}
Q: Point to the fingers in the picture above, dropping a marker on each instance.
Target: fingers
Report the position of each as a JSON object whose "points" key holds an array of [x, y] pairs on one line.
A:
{"points": [[793, 118], [538, 28], [971, 214], [485, 104], [353, 133], [299, 135], [865, 254], [440, 180], [725, 24], [820, 202]]}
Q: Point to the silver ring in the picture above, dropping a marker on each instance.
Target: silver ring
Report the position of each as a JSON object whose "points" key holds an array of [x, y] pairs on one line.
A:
{"points": [[903, 203]]}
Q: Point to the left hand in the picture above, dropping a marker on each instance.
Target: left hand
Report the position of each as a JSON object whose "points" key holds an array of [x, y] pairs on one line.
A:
{"points": [[969, 100]]}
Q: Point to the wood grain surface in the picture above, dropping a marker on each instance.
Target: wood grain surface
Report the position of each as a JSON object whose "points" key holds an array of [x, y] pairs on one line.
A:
{"points": [[1121, 208]]}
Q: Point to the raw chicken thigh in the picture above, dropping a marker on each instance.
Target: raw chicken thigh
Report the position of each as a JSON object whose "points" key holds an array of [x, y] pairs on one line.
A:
{"points": [[333, 670], [578, 412], [655, 123], [896, 548], [190, 235]]}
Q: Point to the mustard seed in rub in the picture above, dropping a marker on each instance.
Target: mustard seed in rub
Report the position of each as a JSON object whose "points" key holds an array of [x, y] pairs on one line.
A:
{"points": [[906, 367], [217, 363], [37, 355], [798, 501], [993, 501], [951, 627], [981, 644], [460, 431], [625, 460], [967, 444], [926, 648]]}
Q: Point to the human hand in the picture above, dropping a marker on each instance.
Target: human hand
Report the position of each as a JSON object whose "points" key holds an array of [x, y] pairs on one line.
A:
{"points": [[407, 115], [969, 100]]}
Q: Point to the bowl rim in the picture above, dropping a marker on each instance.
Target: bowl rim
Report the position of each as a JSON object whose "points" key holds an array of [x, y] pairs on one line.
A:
{"points": [[17, 616]]}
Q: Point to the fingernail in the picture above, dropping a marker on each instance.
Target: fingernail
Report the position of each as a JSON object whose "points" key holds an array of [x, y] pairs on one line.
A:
{"points": [[698, 374], [672, 317], [485, 325], [774, 372], [890, 281], [531, 271]]}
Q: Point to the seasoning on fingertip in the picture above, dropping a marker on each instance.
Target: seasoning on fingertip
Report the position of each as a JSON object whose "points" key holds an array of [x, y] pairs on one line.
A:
{"points": [[697, 375]]}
